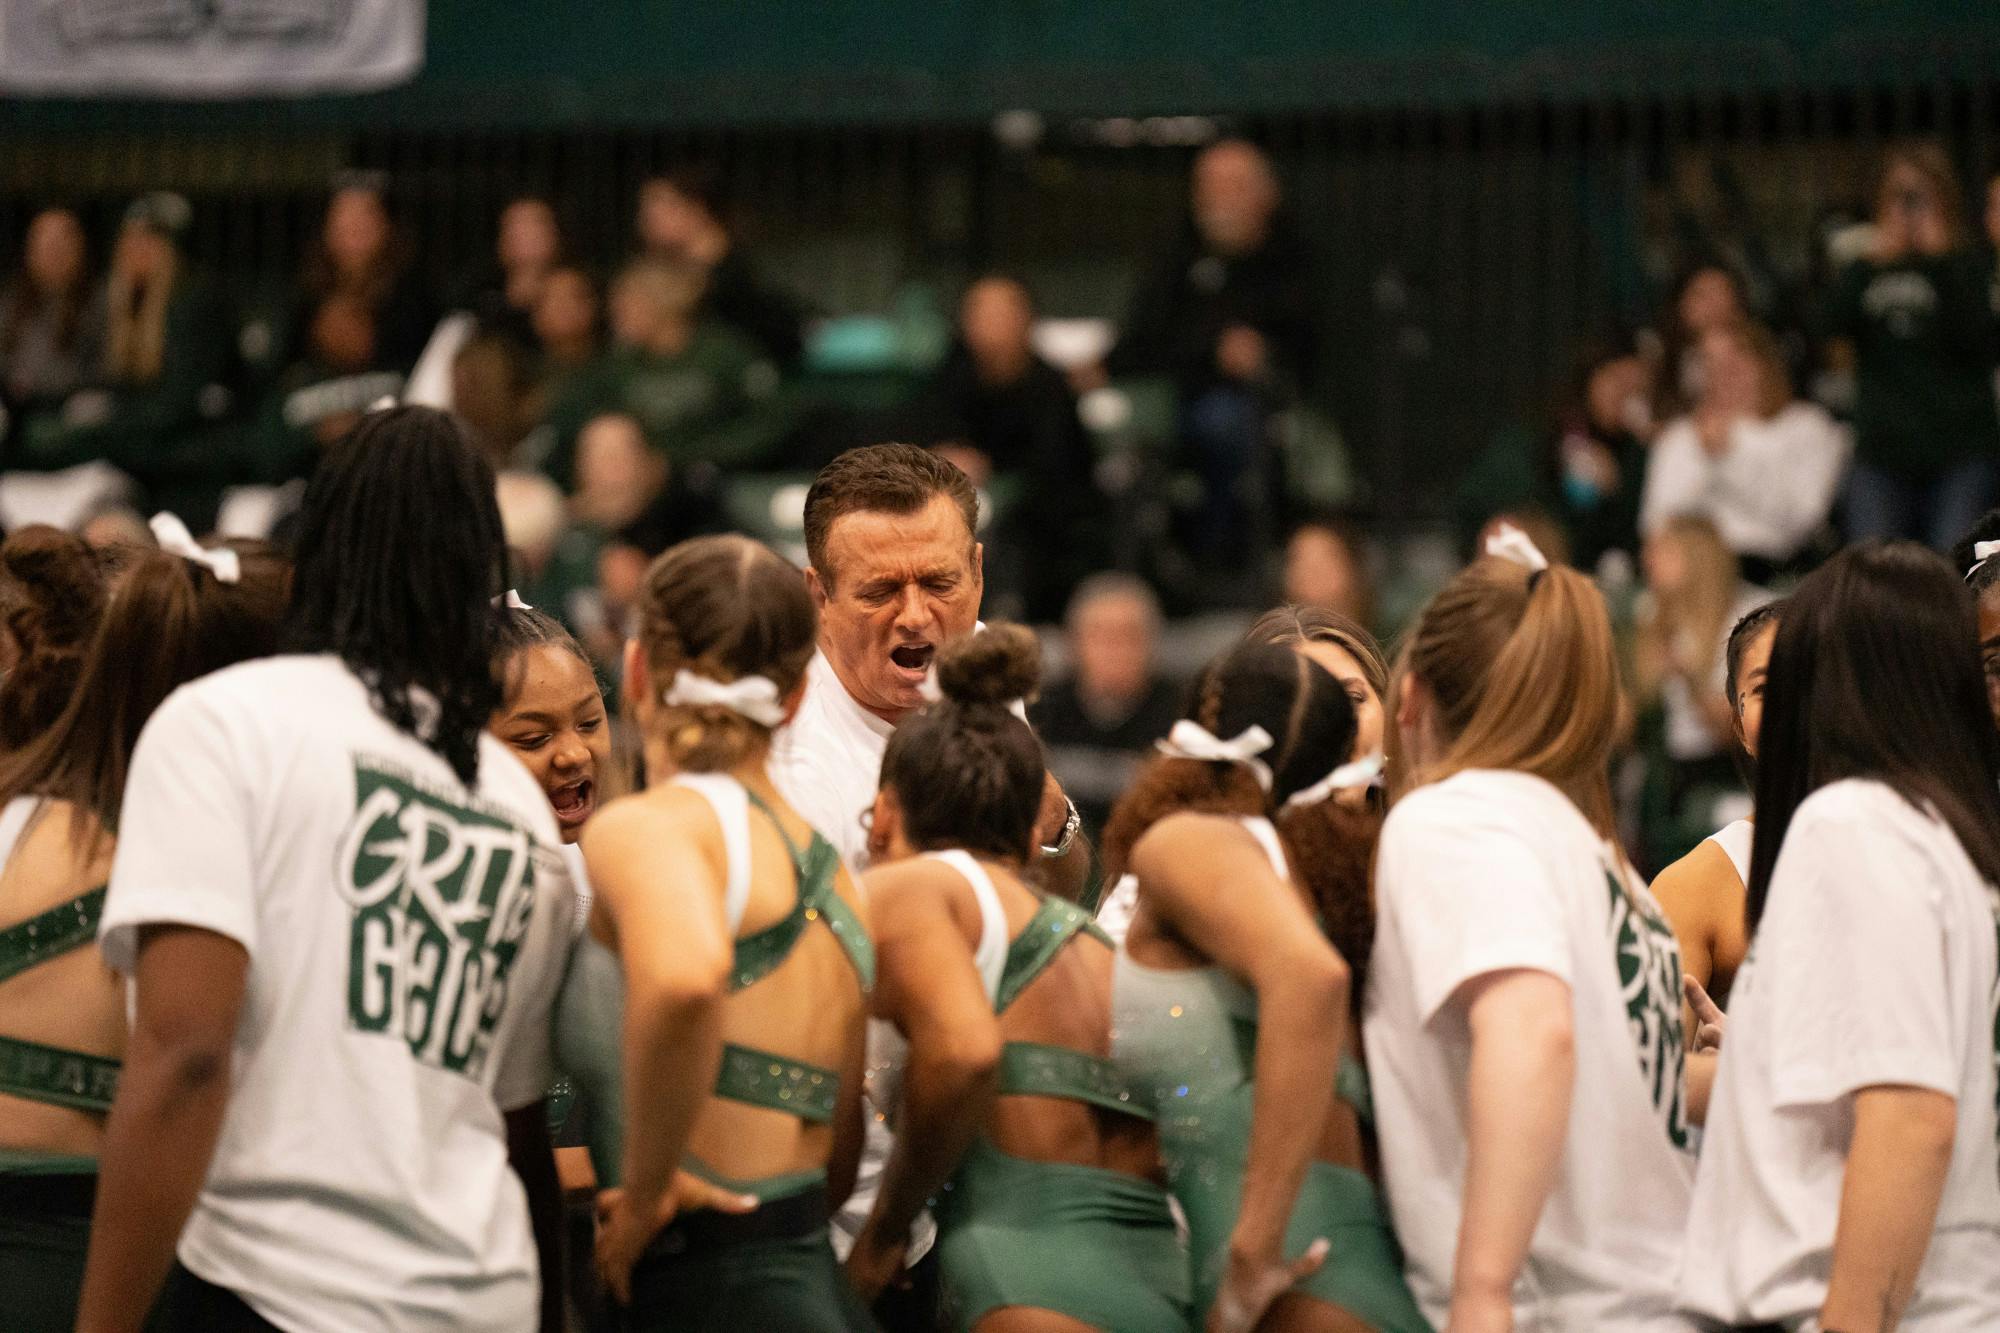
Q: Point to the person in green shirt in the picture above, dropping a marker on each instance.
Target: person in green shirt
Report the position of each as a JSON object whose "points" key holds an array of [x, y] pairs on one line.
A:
{"points": [[1916, 313], [703, 393]]}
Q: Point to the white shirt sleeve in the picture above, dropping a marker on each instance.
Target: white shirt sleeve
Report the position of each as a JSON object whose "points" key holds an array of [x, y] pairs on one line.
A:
{"points": [[1471, 893], [1679, 476], [185, 835], [1855, 964]]}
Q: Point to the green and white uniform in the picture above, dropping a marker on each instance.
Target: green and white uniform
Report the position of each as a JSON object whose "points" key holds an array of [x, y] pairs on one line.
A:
{"points": [[44, 1198], [1094, 1244], [1189, 1037], [775, 1267]]}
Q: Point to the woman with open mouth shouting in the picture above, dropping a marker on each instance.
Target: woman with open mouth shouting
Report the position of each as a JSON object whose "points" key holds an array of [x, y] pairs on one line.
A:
{"points": [[553, 717]]}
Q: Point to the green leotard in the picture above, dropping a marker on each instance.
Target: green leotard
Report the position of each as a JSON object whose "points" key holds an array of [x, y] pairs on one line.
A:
{"points": [[794, 1273], [1189, 1035], [1094, 1244], [45, 1199]]}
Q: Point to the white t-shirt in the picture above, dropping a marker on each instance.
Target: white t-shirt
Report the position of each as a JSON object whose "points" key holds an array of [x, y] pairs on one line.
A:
{"points": [[1874, 964], [1769, 491], [1486, 872], [406, 938], [827, 763]]}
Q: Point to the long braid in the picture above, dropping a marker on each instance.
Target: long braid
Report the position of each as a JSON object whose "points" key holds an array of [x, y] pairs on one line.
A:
{"points": [[400, 550]]}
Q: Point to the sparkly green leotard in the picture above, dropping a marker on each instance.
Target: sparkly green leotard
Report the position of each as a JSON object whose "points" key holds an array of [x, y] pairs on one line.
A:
{"points": [[792, 1275], [1189, 1035], [1094, 1244], [45, 1200]]}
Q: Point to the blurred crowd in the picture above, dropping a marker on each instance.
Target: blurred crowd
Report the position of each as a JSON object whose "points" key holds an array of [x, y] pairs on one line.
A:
{"points": [[1133, 474]]}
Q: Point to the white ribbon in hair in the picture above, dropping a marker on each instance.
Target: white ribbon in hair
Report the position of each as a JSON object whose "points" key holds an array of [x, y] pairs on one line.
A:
{"points": [[1363, 772], [1191, 740], [753, 697], [175, 539], [1510, 543], [1981, 553], [510, 601]]}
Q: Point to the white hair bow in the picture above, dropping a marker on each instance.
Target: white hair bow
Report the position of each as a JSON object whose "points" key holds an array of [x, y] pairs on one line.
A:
{"points": [[175, 539], [1510, 543], [510, 601], [1191, 740], [753, 697], [1981, 553], [1363, 772]]}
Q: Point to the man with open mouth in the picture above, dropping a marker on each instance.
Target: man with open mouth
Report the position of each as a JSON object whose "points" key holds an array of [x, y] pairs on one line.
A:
{"points": [[896, 571]]}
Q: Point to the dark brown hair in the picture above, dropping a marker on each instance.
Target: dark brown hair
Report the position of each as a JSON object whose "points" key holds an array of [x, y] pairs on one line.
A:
{"points": [[967, 772], [1874, 674], [52, 594], [516, 630], [1294, 625], [1312, 725], [724, 607], [168, 621], [882, 479]]}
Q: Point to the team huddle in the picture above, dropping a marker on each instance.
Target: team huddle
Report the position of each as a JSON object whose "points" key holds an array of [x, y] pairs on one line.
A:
{"points": [[316, 891]]}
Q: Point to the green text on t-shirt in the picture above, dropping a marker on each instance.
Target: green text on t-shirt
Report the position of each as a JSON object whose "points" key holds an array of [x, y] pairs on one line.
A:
{"points": [[442, 895], [1649, 978]]}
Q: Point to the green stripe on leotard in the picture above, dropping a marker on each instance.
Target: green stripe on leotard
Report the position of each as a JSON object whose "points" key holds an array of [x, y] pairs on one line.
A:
{"points": [[54, 1075], [1094, 1244]]}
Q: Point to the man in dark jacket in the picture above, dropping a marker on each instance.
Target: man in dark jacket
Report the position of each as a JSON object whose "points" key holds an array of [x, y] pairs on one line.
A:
{"points": [[1231, 317]]}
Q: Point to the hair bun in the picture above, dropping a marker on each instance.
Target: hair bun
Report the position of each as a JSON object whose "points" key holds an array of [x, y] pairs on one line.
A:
{"points": [[996, 666]]}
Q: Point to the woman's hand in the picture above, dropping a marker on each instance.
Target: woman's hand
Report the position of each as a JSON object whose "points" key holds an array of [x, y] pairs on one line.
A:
{"points": [[1254, 1281], [625, 1230], [1709, 1018], [875, 1263]]}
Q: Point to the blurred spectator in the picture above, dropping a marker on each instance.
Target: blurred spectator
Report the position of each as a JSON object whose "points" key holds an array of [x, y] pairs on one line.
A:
{"points": [[1694, 596], [695, 387], [1230, 317], [995, 408], [165, 351], [1585, 473], [51, 320], [681, 218], [53, 587], [527, 250], [566, 320], [1326, 568], [361, 256], [533, 521], [328, 389], [493, 393], [1101, 720], [1707, 295], [1918, 315], [1762, 465], [617, 475]]}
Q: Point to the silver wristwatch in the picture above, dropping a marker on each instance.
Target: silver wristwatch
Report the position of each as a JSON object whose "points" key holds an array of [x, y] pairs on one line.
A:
{"points": [[1067, 838]]}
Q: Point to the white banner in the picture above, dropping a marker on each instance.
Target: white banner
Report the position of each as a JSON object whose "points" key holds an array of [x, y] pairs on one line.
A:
{"points": [[204, 49]]}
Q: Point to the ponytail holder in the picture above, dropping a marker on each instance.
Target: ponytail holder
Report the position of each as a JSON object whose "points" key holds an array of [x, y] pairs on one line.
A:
{"points": [[1191, 740], [1363, 772], [1982, 552], [510, 601], [1511, 544], [752, 697], [175, 539]]}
